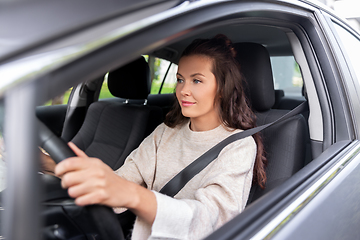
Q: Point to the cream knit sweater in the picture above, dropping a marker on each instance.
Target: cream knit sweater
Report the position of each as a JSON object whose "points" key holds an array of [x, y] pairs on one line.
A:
{"points": [[213, 197]]}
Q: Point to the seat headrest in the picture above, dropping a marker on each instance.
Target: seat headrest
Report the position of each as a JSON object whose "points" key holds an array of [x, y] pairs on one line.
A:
{"points": [[131, 81], [255, 65]]}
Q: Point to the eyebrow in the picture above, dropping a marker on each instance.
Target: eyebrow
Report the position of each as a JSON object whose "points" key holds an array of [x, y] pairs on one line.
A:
{"points": [[192, 75]]}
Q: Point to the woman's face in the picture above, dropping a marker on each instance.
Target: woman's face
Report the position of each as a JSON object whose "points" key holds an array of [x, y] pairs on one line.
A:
{"points": [[196, 88]]}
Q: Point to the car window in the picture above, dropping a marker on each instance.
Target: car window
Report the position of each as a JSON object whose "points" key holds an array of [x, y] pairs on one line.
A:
{"points": [[352, 47], [287, 75], [61, 99], [105, 92], [163, 76]]}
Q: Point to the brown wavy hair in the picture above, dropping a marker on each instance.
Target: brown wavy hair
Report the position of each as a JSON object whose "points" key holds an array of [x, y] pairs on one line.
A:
{"points": [[234, 110]]}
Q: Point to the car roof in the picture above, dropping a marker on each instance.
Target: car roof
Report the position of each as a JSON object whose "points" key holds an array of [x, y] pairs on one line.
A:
{"points": [[273, 38], [30, 24], [34, 23]]}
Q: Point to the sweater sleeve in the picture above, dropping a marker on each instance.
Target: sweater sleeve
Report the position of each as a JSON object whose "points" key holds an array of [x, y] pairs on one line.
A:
{"points": [[222, 195]]}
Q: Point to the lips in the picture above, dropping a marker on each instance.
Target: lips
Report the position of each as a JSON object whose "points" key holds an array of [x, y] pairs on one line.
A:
{"points": [[187, 104]]}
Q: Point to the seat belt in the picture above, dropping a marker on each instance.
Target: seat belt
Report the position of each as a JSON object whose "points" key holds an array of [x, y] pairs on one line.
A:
{"points": [[183, 177]]}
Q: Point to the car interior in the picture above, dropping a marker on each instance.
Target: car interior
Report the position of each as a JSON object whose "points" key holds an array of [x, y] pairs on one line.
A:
{"points": [[102, 74], [111, 128]]}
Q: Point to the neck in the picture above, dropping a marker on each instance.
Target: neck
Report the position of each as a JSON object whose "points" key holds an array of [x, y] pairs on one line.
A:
{"points": [[199, 125]]}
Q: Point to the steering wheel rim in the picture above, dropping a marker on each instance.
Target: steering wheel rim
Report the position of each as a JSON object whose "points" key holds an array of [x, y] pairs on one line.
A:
{"points": [[103, 216]]}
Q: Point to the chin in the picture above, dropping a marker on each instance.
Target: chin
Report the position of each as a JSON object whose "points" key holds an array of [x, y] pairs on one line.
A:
{"points": [[187, 114]]}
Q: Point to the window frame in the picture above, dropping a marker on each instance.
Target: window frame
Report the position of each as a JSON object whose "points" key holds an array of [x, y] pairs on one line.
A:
{"points": [[348, 75]]}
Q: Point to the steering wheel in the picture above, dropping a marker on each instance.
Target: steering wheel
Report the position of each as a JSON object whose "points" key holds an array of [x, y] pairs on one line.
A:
{"points": [[104, 217]]}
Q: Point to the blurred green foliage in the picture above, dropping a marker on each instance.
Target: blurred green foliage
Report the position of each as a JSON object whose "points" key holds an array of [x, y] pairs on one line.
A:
{"points": [[105, 92]]}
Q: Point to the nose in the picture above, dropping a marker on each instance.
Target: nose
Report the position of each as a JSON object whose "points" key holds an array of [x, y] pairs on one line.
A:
{"points": [[185, 90]]}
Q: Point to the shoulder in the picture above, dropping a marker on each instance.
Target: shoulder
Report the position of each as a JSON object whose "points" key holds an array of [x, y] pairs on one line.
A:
{"points": [[164, 128], [162, 131], [241, 152], [244, 142], [247, 144]]}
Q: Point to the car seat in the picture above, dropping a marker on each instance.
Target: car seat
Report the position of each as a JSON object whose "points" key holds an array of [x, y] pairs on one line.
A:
{"points": [[113, 129], [285, 143]]}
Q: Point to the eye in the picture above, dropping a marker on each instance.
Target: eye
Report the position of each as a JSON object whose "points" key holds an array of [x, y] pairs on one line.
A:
{"points": [[197, 81], [179, 80]]}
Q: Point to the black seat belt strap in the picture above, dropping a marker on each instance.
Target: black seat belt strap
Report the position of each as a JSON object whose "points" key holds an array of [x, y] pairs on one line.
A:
{"points": [[183, 177]]}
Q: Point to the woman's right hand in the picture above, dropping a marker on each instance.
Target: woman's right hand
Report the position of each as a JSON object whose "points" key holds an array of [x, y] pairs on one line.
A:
{"points": [[90, 181]]}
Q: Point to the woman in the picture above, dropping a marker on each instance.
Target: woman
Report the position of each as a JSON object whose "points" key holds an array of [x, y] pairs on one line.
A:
{"points": [[210, 106]]}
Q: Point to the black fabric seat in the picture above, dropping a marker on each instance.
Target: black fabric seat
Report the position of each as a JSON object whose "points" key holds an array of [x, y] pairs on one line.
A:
{"points": [[285, 143], [111, 129], [165, 101], [282, 102]]}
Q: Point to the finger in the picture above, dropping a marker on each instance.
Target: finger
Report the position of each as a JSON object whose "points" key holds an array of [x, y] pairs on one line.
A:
{"points": [[74, 178], [69, 165], [77, 150], [78, 190], [95, 197], [86, 188]]}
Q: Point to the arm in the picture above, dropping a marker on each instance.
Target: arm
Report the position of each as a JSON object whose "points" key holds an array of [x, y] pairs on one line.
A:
{"points": [[91, 181]]}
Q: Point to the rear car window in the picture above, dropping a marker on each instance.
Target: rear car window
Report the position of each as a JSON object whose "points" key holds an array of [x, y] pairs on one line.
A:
{"points": [[105, 92], [163, 75], [287, 75]]}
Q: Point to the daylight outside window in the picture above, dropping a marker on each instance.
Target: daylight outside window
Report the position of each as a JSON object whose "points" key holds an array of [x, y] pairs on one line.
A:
{"points": [[287, 75]]}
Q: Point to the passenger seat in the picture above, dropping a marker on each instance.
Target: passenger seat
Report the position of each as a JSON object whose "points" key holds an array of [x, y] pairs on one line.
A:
{"points": [[285, 143]]}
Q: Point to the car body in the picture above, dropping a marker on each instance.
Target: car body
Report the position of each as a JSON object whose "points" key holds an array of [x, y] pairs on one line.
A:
{"points": [[48, 47]]}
